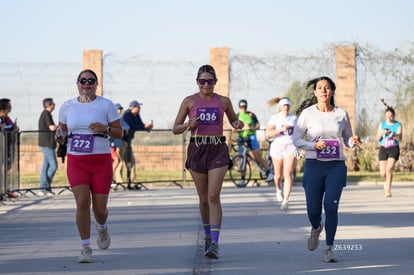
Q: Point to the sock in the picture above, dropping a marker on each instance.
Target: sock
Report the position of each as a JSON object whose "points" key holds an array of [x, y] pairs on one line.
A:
{"points": [[206, 227], [86, 242], [101, 227], [215, 232]]}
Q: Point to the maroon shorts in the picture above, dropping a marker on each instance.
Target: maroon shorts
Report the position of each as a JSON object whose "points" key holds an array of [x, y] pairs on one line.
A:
{"points": [[203, 157], [93, 170]]}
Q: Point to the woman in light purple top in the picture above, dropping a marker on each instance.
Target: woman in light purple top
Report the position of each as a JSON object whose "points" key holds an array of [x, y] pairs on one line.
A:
{"points": [[322, 130]]}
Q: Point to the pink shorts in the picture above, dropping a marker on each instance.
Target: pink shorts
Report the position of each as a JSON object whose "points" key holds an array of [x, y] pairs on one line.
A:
{"points": [[93, 170], [281, 151]]}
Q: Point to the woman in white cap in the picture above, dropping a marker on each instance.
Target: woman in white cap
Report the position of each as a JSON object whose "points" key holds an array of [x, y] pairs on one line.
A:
{"points": [[280, 129]]}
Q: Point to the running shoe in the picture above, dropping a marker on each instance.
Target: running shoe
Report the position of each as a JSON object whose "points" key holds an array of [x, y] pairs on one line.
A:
{"points": [[212, 251], [279, 196], [313, 240], [207, 243], [328, 256], [103, 240], [388, 194], [86, 255], [285, 205]]}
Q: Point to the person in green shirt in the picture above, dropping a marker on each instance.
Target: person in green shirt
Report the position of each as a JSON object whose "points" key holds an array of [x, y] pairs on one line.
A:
{"points": [[248, 133]]}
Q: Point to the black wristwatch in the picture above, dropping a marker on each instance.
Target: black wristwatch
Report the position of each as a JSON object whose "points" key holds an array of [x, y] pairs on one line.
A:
{"points": [[108, 129]]}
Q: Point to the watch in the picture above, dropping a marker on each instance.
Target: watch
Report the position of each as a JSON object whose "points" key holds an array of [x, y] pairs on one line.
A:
{"points": [[108, 129]]}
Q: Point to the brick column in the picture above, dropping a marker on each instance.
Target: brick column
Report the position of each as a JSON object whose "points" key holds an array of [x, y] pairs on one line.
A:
{"points": [[346, 80], [92, 59], [219, 59]]}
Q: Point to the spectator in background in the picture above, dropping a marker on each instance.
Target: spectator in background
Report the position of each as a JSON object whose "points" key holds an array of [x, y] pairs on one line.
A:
{"points": [[47, 143], [9, 129], [115, 145], [248, 134], [133, 118], [389, 135]]}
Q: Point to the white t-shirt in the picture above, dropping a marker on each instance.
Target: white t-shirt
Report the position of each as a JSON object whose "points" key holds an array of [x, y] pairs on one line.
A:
{"points": [[278, 121], [77, 116]]}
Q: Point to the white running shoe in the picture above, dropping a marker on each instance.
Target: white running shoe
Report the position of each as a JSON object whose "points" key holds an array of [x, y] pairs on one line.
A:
{"points": [[86, 255], [328, 256], [285, 205], [279, 196], [103, 240]]}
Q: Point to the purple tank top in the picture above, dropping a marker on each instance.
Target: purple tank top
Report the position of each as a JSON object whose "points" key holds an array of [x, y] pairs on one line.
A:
{"points": [[210, 116]]}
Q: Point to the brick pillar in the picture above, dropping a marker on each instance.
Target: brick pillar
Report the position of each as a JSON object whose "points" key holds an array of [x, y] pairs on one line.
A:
{"points": [[92, 59], [346, 81], [219, 59]]}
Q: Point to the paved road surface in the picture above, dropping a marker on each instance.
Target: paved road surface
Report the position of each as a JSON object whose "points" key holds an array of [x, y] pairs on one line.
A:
{"points": [[158, 231]]}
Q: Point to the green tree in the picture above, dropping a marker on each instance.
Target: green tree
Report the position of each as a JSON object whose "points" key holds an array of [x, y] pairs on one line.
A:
{"points": [[297, 94]]}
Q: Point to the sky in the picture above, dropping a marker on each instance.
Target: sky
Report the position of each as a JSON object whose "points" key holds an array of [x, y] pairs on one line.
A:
{"points": [[55, 31], [49, 33]]}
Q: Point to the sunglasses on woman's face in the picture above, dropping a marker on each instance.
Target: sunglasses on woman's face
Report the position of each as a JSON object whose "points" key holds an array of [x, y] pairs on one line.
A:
{"points": [[90, 81], [208, 81]]}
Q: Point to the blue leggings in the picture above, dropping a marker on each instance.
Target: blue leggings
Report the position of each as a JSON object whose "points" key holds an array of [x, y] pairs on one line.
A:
{"points": [[324, 178]]}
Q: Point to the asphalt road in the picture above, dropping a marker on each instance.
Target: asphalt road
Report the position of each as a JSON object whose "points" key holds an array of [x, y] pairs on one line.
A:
{"points": [[158, 231]]}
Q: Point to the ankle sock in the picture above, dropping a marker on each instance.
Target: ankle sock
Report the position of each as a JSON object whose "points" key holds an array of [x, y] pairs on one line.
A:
{"points": [[86, 242]]}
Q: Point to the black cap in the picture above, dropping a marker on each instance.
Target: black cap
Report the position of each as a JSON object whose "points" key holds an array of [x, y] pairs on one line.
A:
{"points": [[243, 103]]}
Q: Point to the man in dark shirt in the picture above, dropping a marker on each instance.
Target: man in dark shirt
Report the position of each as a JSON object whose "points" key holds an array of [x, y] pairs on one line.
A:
{"points": [[133, 119], [47, 143]]}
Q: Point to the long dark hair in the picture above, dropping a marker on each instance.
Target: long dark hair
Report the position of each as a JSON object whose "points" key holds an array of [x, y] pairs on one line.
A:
{"points": [[313, 100]]}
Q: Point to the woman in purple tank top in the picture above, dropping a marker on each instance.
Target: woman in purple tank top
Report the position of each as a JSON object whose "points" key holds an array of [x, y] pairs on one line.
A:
{"points": [[208, 156]]}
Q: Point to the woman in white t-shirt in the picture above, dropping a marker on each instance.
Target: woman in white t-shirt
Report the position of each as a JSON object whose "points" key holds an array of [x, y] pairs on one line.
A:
{"points": [[280, 129], [88, 121]]}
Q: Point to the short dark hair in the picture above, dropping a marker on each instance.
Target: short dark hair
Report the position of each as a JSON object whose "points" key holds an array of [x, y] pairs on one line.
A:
{"points": [[47, 101], [4, 103], [88, 71]]}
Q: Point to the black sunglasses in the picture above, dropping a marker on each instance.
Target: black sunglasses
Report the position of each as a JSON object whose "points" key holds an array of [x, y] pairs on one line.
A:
{"points": [[208, 81], [90, 81]]}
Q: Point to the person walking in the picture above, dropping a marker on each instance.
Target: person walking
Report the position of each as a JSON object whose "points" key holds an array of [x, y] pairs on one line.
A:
{"points": [[327, 129], [47, 143], [88, 120], [10, 132], [208, 157], [115, 145], [389, 135], [279, 130], [248, 133], [132, 117]]}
